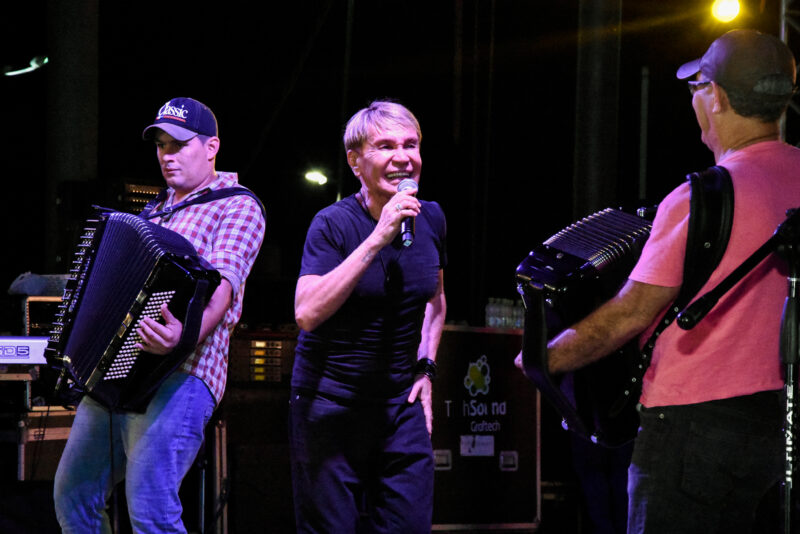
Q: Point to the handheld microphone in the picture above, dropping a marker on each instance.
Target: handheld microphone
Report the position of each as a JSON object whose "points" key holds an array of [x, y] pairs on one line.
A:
{"points": [[407, 224]]}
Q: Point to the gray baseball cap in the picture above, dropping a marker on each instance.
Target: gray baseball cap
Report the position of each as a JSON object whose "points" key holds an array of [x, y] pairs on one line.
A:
{"points": [[746, 60]]}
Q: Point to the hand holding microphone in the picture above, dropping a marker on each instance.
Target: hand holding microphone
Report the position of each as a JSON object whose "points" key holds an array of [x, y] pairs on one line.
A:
{"points": [[407, 224]]}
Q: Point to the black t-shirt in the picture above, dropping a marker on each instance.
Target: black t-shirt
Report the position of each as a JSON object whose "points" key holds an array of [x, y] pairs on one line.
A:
{"points": [[367, 349]]}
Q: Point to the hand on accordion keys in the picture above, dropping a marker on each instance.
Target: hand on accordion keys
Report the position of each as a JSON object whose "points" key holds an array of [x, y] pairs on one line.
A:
{"points": [[158, 338]]}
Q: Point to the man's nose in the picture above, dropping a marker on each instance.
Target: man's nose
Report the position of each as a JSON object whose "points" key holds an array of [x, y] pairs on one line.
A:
{"points": [[400, 155]]}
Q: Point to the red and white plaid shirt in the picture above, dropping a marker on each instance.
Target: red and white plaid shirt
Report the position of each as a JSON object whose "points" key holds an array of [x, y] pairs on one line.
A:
{"points": [[228, 233]]}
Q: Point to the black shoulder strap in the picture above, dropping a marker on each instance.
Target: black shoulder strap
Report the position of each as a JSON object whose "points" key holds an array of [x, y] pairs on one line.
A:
{"points": [[710, 220], [153, 204], [210, 196]]}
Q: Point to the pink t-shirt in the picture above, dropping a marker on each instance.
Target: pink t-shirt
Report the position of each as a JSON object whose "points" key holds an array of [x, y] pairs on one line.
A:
{"points": [[734, 350]]}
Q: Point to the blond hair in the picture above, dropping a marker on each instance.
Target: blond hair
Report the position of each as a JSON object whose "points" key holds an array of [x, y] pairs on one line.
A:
{"points": [[379, 115]]}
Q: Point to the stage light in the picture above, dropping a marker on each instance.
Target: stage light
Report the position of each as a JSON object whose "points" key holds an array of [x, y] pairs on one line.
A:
{"points": [[316, 177], [36, 63], [725, 10]]}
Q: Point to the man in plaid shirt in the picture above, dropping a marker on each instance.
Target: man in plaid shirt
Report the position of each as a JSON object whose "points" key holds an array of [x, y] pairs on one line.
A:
{"points": [[154, 450]]}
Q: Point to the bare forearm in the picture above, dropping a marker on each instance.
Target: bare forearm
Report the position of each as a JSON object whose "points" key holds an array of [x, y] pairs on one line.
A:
{"points": [[588, 341], [215, 310], [609, 327], [317, 298], [433, 324]]}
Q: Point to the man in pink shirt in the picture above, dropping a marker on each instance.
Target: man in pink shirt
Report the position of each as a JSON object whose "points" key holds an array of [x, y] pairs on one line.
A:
{"points": [[710, 442]]}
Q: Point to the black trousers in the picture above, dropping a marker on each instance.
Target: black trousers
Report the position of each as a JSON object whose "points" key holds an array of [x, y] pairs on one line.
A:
{"points": [[360, 467], [703, 468]]}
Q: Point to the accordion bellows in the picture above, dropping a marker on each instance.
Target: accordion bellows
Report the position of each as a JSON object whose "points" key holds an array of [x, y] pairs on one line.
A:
{"points": [[124, 269]]}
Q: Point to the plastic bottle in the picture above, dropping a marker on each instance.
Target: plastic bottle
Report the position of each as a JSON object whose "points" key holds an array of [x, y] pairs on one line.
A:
{"points": [[506, 309], [491, 312]]}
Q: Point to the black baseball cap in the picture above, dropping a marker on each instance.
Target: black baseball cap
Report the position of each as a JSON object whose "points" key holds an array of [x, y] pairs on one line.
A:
{"points": [[183, 118], [746, 60]]}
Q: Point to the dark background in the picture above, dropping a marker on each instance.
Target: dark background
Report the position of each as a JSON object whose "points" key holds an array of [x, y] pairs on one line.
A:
{"points": [[493, 84]]}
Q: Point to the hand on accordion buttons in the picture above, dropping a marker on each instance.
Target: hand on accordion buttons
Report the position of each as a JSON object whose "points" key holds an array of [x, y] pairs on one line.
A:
{"points": [[157, 338]]}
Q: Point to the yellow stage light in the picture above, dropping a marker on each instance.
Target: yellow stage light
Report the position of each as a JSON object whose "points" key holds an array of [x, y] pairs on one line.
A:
{"points": [[725, 10]]}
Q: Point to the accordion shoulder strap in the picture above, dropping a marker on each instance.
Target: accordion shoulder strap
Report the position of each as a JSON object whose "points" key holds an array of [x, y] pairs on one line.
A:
{"points": [[710, 220], [212, 195]]}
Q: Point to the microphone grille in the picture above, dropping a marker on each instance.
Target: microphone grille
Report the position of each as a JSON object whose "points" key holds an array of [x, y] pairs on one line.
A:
{"points": [[407, 184]]}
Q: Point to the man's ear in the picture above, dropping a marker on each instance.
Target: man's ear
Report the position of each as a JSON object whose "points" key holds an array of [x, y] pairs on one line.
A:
{"points": [[212, 147], [352, 160], [720, 101]]}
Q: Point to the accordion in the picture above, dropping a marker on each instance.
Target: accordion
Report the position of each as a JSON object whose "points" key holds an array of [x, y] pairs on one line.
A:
{"points": [[124, 269], [563, 280]]}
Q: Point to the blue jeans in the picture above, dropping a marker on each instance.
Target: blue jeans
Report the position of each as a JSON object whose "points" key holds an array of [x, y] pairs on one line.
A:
{"points": [[703, 468], [360, 467], [152, 451]]}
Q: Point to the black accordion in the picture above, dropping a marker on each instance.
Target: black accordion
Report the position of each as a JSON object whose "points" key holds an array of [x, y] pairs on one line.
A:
{"points": [[562, 281], [124, 269]]}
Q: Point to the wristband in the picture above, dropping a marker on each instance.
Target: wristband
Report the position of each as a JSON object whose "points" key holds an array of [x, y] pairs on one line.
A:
{"points": [[427, 367]]}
